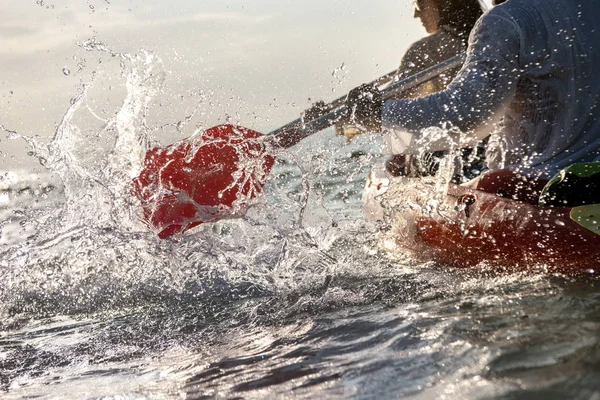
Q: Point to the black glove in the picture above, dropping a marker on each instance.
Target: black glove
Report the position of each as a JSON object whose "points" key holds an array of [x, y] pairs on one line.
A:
{"points": [[317, 110], [364, 105]]}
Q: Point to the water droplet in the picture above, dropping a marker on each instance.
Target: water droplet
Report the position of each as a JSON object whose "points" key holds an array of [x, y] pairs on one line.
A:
{"points": [[66, 71], [91, 7]]}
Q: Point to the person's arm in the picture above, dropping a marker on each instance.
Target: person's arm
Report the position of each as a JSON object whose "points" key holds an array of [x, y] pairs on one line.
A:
{"points": [[486, 82], [414, 60]]}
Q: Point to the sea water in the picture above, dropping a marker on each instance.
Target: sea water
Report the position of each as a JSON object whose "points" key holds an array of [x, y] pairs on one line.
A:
{"points": [[295, 299]]}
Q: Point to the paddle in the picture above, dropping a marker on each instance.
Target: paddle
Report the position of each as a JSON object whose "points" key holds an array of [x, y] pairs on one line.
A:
{"points": [[213, 175]]}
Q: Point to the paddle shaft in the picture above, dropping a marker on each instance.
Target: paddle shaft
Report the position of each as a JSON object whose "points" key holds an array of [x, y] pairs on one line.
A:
{"points": [[295, 131]]}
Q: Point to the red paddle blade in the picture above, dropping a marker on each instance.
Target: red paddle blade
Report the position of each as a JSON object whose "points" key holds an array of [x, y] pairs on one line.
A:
{"points": [[204, 178]]}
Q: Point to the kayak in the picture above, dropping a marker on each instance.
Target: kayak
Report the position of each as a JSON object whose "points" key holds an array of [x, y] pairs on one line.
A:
{"points": [[462, 227]]}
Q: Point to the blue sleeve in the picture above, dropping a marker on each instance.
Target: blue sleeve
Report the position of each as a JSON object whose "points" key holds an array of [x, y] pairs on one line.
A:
{"points": [[487, 80]]}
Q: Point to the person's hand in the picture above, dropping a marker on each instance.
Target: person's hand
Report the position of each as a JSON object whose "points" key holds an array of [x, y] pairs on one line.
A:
{"points": [[317, 110], [364, 105], [349, 131]]}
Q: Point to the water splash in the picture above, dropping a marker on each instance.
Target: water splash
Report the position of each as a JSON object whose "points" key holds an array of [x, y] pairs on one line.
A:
{"points": [[88, 251], [95, 229]]}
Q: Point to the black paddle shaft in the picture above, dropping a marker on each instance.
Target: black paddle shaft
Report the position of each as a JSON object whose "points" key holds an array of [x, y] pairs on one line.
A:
{"points": [[299, 129]]}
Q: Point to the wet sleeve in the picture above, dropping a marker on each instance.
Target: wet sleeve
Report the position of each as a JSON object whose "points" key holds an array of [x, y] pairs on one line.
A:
{"points": [[485, 83]]}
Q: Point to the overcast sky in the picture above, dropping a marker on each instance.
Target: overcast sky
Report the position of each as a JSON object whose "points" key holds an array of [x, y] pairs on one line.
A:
{"points": [[258, 61]]}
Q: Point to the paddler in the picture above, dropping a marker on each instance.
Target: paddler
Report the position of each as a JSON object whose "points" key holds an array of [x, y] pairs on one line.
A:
{"points": [[532, 62], [448, 23]]}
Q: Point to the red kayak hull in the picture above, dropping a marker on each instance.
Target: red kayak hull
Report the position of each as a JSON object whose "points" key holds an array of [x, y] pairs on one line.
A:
{"points": [[480, 227]]}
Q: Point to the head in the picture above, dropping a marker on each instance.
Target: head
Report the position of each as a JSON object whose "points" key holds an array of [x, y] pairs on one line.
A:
{"points": [[459, 14]]}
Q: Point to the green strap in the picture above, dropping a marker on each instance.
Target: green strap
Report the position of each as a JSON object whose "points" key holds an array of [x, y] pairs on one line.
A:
{"points": [[588, 217]]}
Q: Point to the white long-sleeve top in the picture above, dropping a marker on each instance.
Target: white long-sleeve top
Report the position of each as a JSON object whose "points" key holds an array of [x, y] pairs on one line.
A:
{"points": [[538, 63]]}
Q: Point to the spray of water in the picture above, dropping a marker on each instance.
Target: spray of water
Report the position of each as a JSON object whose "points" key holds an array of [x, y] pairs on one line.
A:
{"points": [[89, 252]]}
